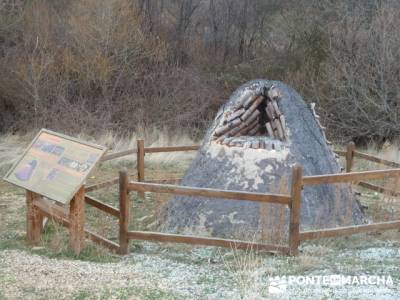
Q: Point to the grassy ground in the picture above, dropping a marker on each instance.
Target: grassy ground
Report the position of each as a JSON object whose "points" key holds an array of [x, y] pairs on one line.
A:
{"points": [[165, 271]]}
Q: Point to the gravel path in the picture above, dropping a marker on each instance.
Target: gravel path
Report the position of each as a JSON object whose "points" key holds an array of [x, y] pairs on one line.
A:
{"points": [[178, 276]]}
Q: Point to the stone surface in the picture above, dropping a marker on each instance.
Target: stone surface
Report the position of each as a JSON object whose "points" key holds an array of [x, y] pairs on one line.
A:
{"points": [[261, 170]]}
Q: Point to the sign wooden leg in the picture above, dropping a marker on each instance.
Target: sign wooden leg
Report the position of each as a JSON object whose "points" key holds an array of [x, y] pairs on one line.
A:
{"points": [[34, 219], [77, 221]]}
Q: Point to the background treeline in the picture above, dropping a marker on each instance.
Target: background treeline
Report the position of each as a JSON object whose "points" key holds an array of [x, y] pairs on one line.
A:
{"points": [[121, 65]]}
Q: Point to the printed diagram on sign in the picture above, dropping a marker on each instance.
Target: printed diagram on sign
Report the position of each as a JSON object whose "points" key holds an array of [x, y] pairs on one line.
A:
{"points": [[55, 165]]}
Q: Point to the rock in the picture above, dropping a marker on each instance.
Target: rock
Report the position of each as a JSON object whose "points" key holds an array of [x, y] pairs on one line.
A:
{"points": [[267, 169]]}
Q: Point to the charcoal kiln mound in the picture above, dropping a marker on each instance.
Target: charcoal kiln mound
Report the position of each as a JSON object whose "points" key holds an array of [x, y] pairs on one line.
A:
{"points": [[258, 135]]}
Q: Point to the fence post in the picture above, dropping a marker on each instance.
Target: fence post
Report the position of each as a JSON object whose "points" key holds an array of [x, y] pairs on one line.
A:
{"points": [[350, 156], [294, 226], [34, 219], [140, 163], [77, 221], [124, 212]]}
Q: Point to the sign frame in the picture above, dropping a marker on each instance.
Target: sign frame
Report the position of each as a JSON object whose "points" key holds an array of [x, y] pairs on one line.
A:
{"points": [[103, 150]]}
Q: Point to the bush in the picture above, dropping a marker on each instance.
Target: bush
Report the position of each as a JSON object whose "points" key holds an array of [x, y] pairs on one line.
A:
{"points": [[124, 65]]}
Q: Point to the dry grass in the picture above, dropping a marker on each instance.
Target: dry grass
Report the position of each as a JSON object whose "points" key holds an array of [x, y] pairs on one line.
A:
{"points": [[249, 273]]}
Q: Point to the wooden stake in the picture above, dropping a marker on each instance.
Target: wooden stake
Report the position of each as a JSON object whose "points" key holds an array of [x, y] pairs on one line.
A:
{"points": [[235, 114], [222, 130], [270, 111], [251, 100], [276, 108], [283, 123], [295, 206], [124, 212], [34, 219], [245, 129], [251, 109], [140, 163], [253, 132], [77, 221], [269, 129], [350, 156], [279, 129]]}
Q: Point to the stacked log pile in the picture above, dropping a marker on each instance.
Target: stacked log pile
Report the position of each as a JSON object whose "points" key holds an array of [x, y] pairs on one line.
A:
{"points": [[256, 115]]}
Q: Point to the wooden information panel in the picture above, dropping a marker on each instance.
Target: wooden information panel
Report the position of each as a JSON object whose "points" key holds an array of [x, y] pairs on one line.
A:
{"points": [[55, 165]]}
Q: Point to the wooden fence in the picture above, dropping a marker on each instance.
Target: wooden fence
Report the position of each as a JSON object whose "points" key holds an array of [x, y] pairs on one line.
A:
{"points": [[39, 207]]}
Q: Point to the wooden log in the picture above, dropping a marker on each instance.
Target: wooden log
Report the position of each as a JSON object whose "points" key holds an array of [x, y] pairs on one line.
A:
{"points": [[243, 98], [251, 109], [124, 212], [348, 230], [222, 130], [279, 129], [271, 111], [245, 129], [253, 132], [294, 226], [235, 114], [269, 114], [220, 139], [350, 177], [206, 241], [225, 141], [269, 129], [276, 108], [249, 102], [102, 206], [234, 131], [140, 163], [274, 93], [77, 221], [209, 193], [34, 218], [237, 143], [283, 123], [350, 156]]}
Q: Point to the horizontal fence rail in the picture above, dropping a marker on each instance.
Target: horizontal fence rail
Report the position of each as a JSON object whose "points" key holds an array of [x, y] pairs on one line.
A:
{"points": [[379, 189], [102, 206], [123, 153], [376, 159], [207, 192], [101, 185], [349, 177], [349, 230], [207, 241], [170, 149], [340, 152]]}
